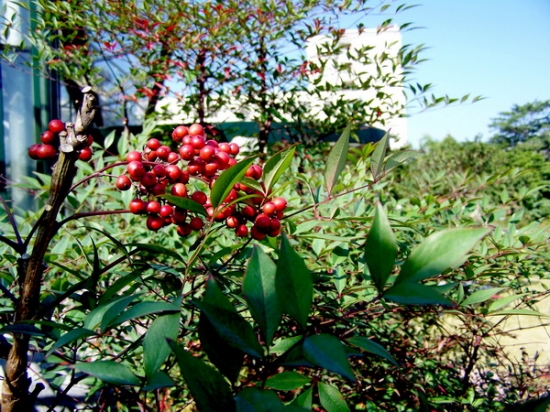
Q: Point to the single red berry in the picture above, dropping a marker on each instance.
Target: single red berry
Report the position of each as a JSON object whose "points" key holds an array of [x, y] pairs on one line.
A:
{"points": [[163, 152], [179, 216], [33, 151], [184, 177], [196, 167], [262, 222], [179, 189], [212, 143], [232, 222], [223, 159], [154, 222], [199, 197], [269, 208], [159, 170], [187, 152], [207, 152], [153, 207], [85, 154], [179, 133], [134, 155], [280, 203], [274, 225], [231, 197], [89, 140], [153, 144], [150, 156], [184, 230], [234, 147], [241, 231], [173, 157], [232, 162], [148, 179], [135, 170], [257, 172], [186, 140], [173, 172], [56, 126], [158, 189], [248, 212], [123, 183], [47, 137], [274, 232], [196, 130], [196, 223], [211, 168], [224, 147], [256, 234], [137, 206], [197, 142], [166, 211], [46, 152]]}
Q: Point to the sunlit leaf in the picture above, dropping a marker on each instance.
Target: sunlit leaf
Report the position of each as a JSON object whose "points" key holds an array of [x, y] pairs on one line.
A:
{"points": [[327, 352], [372, 347], [109, 372], [331, 399], [276, 166], [337, 160], [227, 179]]}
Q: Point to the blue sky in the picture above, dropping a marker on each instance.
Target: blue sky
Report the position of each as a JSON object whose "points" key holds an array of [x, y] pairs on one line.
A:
{"points": [[499, 49]]}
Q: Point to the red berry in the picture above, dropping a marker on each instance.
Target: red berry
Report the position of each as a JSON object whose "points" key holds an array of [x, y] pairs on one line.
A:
{"points": [[159, 170], [232, 222], [274, 225], [199, 197], [123, 183], [163, 152], [89, 140], [197, 142], [137, 206], [85, 154], [46, 152], [166, 211], [187, 152], [211, 168], [150, 156], [56, 126], [173, 157], [274, 232], [234, 147], [223, 159], [212, 143], [173, 172], [179, 216], [256, 234], [148, 179], [179, 133], [207, 152], [184, 230], [158, 189], [184, 178], [269, 208], [195, 167], [248, 212], [154, 222], [153, 144], [33, 151], [196, 130], [135, 170], [241, 231], [196, 223], [262, 222], [134, 155], [224, 147], [179, 189], [153, 207], [47, 137], [280, 203]]}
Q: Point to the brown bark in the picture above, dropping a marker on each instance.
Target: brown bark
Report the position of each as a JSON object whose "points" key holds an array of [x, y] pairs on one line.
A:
{"points": [[15, 388]]}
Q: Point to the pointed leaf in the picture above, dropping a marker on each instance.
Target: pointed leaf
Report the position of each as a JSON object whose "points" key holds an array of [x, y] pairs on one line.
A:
{"points": [[287, 381], [143, 309], [519, 312], [331, 399], [377, 158], [305, 400], [105, 313], [294, 283], [440, 251], [327, 352], [337, 160], [186, 204], [232, 327], [372, 347], [261, 294], [258, 400], [504, 301], [380, 249], [159, 380], [276, 166], [412, 293], [70, 337], [207, 386], [397, 158], [480, 296], [109, 372], [227, 179], [155, 347]]}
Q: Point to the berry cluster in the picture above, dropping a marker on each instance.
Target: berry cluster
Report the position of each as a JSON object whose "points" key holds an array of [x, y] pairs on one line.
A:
{"points": [[158, 170], [48, 149]]}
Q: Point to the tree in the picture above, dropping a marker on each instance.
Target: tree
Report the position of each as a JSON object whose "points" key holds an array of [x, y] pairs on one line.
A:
{"points": [[522, 123]]}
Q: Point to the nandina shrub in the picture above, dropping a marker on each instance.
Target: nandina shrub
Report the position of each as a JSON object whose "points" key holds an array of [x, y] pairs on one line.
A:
{"points": [[343, 311]]}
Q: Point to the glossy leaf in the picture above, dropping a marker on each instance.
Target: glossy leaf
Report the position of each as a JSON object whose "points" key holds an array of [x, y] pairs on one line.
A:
{"points": [[398, 158], [109, 372], [413, 293], [227, 179], [480, 296], [145, 308], [232, 327], [105, 313], [441, 251], [261, 294], [207, 386], [380, 248], [294, 283], [186, 204], [258, 400], [331, 399], [378, 156], [276, 166], [69, 337], [158, 380], [372, 347], [287, 381], [305, 399], [504, 301], [155, 347], [336, 160], [327, 352]]}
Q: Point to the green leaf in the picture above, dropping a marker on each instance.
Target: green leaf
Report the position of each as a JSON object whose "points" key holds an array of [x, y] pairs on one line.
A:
{"points": [[327, 352], [227, 179], [372, 347], [520, 312], [71, 336], [287, 381], [258, 400], [261, 294], [504, 301], [380, 248], [397, 158], [337, 160], [186, 204], [440, 251], [105, 313], [159, 380], [232, 327], [294, 283], [109, 140], [155, 346], [207, 386], [143, 309], [412, 293], [276, 166], [305, 400], [109, 372], [377, 158], [480, 296], [331, 399]]}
